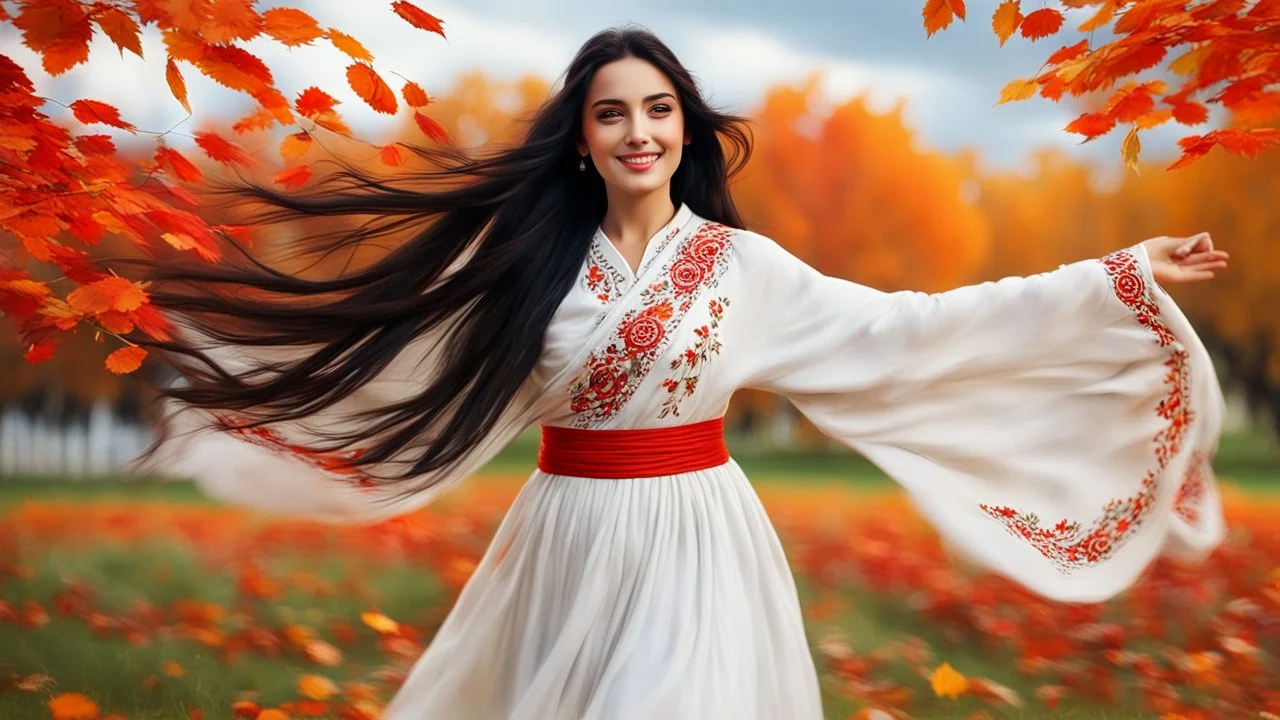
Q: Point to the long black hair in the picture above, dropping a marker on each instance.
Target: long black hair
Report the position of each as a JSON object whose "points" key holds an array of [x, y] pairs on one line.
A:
{"points": [[498, 239]]}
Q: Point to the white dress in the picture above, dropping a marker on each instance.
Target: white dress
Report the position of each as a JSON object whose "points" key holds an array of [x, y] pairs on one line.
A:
{"points": [[1056, 429]]}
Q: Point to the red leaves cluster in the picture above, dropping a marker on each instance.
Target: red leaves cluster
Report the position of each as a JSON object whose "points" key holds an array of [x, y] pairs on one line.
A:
{"points": [[60, 190], [1225, 53]]}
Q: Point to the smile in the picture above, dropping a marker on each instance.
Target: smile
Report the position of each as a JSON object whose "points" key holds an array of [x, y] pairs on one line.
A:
{"points": [[640, 162]]}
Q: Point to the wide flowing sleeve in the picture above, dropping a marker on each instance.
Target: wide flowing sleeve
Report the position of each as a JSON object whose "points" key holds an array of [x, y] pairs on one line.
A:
{"points": [[1056, 429], [284, 468]]}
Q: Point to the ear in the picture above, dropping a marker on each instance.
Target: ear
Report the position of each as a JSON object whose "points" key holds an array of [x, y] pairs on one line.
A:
{"points": [[688, 137], [582, 148]]}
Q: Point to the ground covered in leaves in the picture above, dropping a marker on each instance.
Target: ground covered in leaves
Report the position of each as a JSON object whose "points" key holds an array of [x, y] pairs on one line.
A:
{"points": [[147, 602]]}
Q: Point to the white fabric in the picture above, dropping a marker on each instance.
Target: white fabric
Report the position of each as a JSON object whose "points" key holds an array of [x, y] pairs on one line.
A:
{"points": [[670, 597]]}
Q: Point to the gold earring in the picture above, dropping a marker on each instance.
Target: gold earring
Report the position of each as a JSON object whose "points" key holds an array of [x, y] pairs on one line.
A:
{"points": [[582, 164]]}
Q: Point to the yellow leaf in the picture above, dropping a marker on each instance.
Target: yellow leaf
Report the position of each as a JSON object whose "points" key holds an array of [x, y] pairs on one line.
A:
{"points": [[1153, 119], [1018, 90], [1100, 18], [1189, 62], [946, 682], [348, 45], [316, 687], [322, 653], [294, 146], [1130, 148], [380, 622], [1006, 19]]}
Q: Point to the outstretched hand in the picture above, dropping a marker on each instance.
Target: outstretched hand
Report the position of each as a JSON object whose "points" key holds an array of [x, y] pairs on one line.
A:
{"points": [[1184, 259]]}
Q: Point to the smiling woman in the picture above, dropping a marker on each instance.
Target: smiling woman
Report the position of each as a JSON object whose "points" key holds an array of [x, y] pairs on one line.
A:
{"points": [[1055, 428]]}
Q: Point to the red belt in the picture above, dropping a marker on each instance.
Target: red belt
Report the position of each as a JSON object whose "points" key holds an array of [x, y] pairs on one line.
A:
{"points": [[648, 452]]}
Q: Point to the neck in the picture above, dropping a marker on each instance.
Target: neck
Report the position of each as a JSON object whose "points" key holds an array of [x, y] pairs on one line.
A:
{"points": [[632, 219]]}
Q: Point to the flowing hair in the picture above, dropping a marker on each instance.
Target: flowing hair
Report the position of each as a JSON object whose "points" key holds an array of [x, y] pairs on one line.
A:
{"points": [[497, 241]]}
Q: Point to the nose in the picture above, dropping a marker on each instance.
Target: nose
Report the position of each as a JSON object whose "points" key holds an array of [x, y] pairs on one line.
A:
{"points": [[638, 133]]}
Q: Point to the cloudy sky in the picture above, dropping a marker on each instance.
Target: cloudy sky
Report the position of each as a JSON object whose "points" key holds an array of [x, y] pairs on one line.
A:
{"points": [[950, 82]]}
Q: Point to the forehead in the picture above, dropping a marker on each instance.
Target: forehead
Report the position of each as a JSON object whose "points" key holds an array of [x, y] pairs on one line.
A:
{"points": [[628, 79]]}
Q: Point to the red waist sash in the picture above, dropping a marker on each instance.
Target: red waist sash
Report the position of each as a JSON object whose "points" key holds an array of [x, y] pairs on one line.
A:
{"points": [[647, 452]]}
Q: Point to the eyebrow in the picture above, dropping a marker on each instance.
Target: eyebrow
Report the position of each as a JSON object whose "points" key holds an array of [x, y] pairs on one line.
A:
{"points": [[651, 98]]}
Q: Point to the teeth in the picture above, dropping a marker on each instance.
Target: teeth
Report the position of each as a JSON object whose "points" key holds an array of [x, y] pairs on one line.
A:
{"points": [[640, 160]]}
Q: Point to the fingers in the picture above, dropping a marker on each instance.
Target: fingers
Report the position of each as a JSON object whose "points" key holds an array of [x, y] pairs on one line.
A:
{"points": [[1200, 258], [1200, 242]]}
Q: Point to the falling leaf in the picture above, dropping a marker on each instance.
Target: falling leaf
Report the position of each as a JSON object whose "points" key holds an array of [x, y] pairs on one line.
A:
{"points": [[73, 706], [391, 155], [177, 85], [348, 45], [1007, 18], [313, 101], [1091, 125], [946, 682], [1068, 52], [113, 293], [126, 359], [294, 177], [431, 128], [418, 17], [937, 16], [223, 150], [180, 166], [122, 30], [38, 353], [291, 27], [414, 95], [294, 146], [1041, 23], [92, 111], [1100, 18], [371, 88]]}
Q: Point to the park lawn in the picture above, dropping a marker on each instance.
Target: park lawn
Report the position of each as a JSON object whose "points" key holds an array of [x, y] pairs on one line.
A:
{"points": [[128, 542]]}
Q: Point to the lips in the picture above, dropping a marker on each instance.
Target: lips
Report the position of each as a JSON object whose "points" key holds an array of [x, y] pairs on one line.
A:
{"points": [[639, 161]]}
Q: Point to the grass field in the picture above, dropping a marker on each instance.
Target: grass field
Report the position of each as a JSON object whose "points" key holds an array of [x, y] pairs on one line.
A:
{"points": [[155, 603]]}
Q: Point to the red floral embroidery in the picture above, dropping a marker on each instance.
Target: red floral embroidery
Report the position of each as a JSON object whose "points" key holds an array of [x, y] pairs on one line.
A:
{"points": [[1068, 544], [602, 277], [336, 462], [693, 359], [1191, 492], [612, 373]]}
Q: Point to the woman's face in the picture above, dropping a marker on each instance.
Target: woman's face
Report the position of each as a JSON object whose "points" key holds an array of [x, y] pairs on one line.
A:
{"points": [[633, 127]]}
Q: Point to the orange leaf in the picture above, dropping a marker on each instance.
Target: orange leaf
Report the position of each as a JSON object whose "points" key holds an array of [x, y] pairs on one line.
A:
{"points": [[379, 622], [1041, 23], [260, 119], [1091, 125], [937, 16], [272, 714], [1006, 20], [126, 359], [418, 17], [1190, 113], [414, 95], [957, 7], [290, 26], [235, 67], [1018, 90], [371, 88], [181, 167], [223, 151], [177, 85], [348, 45], [294, 177], [332, 121], [316, 687], [122, 30], [228, 20], [172, 669], [72, 706], [294, 146], [432, 128], [391, 155], [112, 293], [1068, 52], [149, 320], [946, 682], [116, 322], [314, 101], [92, 111]]}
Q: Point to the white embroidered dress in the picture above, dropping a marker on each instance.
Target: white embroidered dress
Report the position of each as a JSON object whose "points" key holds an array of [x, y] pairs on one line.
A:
{"points": [[1055, 428]]}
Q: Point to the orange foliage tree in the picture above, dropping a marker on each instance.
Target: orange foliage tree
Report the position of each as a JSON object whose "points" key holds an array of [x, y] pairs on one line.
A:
{"points": [[1227, 54], [65, 189]]}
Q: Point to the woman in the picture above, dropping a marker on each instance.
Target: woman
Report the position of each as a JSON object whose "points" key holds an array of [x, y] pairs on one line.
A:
{"points": [[597, 280]]}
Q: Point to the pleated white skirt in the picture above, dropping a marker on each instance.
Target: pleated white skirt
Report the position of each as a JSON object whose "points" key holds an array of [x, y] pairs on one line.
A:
{"points": [[666, 597]]}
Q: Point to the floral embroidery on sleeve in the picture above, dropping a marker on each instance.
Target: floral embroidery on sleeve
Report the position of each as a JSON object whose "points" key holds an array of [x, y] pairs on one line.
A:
{"points": [[1191, 492], [1068, 544], [689, 364], [612, 373], [335, 462]]}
